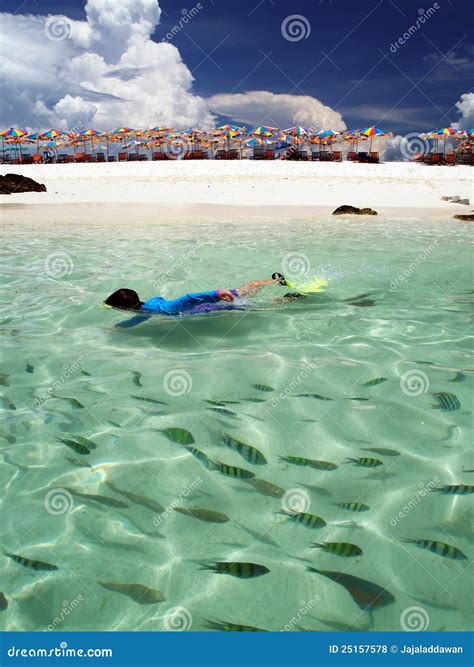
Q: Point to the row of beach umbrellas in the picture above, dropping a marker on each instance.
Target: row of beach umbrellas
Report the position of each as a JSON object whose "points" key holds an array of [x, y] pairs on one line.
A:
{"points": [[225, 135]]}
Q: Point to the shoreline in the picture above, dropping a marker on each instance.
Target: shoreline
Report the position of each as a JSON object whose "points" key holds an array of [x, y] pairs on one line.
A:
{"points": [[308, 189]]}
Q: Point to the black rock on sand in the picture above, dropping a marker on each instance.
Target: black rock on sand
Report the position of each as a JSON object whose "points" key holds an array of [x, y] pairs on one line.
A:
{"points": [[345, 209], [16, 183]]}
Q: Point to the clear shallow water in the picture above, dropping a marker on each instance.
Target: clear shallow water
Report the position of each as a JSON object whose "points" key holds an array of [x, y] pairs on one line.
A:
{"points": [[58, 343]]}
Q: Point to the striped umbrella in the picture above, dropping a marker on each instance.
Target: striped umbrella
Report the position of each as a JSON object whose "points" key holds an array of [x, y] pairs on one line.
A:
{"points": [[373, 132], [51, 134]]}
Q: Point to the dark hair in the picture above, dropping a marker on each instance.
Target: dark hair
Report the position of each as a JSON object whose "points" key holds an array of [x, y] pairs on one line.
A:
{"points": [[126, 299]]}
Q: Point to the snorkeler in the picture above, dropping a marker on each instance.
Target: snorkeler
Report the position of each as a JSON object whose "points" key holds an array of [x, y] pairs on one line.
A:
{"points": [[189, 304]]}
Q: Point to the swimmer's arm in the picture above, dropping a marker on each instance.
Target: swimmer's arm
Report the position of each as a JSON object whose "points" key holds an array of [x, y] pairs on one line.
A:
{"points": [[127, 324], [189, 301], [249, 289]]}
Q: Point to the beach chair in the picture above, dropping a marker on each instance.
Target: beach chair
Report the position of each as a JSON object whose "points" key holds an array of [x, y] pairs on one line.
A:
{"points": [[87, 157], [37, 158], [450, 159], [79, 157], [62, 158], [70, 158], [437, 158], [220, 154], [362, 156], [142, 157], [352, 155], [315, 155], [112, 158], [157, 155], [269, 154], [325, 156], [100, 157], [373, 157], [337, 155], [234, 154], [122, 157], [133, 157]]}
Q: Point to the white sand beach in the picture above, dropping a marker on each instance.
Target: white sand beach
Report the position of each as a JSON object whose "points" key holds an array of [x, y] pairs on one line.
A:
{"points": [[401, 187]]}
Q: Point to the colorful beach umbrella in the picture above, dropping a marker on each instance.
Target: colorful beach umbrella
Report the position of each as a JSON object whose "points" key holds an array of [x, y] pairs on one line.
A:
{"points": [[13, 133], [51, 134], [264, 131]]}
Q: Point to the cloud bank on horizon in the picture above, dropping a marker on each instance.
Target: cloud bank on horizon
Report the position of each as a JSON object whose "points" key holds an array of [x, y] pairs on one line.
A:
{"points": [[107, 72]]}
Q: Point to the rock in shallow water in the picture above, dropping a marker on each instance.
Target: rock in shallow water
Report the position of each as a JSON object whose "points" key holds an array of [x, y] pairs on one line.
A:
{"points": [[16, 183], [345, 209], [468, 217]]}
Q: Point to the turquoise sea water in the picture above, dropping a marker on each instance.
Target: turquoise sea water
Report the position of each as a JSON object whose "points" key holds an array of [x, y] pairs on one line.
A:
{"points": [[68, 374]]}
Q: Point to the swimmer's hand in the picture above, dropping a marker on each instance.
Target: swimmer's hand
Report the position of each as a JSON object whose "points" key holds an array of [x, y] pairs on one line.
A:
{"points": [[225, 295]]}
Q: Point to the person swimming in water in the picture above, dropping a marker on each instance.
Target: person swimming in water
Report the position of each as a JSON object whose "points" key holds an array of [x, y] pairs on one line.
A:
{"points": [[189, 304]]}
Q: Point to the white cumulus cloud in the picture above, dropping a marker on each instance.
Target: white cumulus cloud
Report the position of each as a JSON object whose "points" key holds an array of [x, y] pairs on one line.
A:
{"points": [[280, 110], [105, 71], [466, 108]]}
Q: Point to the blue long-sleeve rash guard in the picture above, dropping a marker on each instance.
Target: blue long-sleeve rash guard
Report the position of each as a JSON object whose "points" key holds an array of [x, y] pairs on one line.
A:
{"points": [[158, 305], [188, 304]]}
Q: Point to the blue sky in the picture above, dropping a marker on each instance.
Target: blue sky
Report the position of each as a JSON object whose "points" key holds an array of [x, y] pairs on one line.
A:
{"points": [[344, 59]]}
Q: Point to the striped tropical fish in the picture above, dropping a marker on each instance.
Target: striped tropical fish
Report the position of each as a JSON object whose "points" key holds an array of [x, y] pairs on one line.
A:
{"points": [[247, 452], [339, 548], [27, 562], [231, 627], [353, 506], [447, 402], [236, 569], [232, 471], [438, 548], [311, 463], [455, 489], [305, 519], [365, 462]]}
